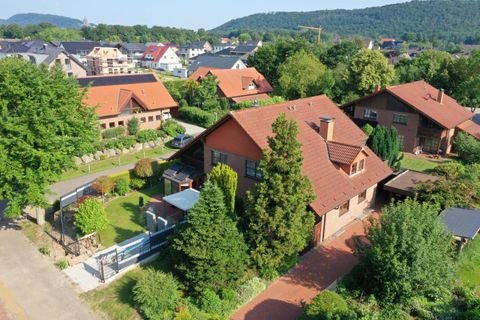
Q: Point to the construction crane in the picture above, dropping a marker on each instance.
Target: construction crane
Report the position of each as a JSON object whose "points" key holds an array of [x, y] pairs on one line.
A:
{"points": [[315, 29]]}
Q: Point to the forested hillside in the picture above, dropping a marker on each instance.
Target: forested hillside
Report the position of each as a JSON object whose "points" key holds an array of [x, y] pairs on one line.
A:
{"points": [[36, 18], [453, 20]]}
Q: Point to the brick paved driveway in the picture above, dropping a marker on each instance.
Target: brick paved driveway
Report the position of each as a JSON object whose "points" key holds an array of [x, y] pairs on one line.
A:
{"points": [[317, 270]]}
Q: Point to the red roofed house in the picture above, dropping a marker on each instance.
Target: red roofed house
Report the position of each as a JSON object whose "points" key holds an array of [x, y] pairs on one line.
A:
{"points": [[160, 57], [426, 118], [237, 84], [119, 98], [343, 171]]}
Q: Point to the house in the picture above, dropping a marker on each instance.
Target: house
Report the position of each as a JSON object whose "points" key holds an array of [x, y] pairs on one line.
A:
{"points": [[133, 51], [194, 49], [426, 118], [343, 171], [119, 98], [216, 62], [161, 58], [237, 84], [222, 46], [80, 49], [38, 52], [105, 60]]}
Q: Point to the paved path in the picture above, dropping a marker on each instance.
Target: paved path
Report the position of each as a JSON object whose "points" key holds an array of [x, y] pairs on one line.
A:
{"points": [[191, 128], [31, 287], [317, 270]]}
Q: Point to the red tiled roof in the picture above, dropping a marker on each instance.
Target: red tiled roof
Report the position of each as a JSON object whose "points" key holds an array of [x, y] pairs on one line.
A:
{"points": [[471, 128], [110, 100], [343, 153], [234, 82], [260, 96], [157, 52], [331, 185], [423, 97]]}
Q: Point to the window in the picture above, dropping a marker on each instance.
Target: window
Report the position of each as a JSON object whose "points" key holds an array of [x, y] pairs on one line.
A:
{"points": [[362, 196], [252, 170], [103, 126], [400, 118], [370, 114], [150, 118], [429, 144], [361, 165], [344, 208], [158, 117], [218, 157], [401, 141], [121, 123], [111, 125], [354, 169], [251, 86], [143, 120]]}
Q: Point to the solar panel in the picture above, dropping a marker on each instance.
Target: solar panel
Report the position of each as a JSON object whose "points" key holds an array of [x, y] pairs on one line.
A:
{"points": [[117, 80]]}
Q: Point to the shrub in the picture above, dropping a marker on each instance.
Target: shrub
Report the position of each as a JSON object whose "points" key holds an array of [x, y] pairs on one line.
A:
{"points": [[103, 185], [327, 305], [368, 129], [212, 303], [133, 126], [450, 170], [467, 147], [147, 135], [61, 264], [157, 295], [125, 142], [172, 128], [121, 186], [197, 116], [261, 103], [91, 217], [211, 105], [248, 290], [143, 168], [44, 250], [137, 183], [113, 132]]}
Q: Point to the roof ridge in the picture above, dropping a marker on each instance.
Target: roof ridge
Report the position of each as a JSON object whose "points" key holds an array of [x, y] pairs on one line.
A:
{"points": [[345, 144]]}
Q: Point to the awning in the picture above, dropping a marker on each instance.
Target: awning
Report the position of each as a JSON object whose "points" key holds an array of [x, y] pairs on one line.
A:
{"points": [[463, 223], [184, 200]]}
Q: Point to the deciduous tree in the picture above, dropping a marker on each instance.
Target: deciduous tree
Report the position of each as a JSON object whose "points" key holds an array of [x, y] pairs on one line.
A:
{"points": [[143, 168], [103, 185], [278, 224], [91, 217]]}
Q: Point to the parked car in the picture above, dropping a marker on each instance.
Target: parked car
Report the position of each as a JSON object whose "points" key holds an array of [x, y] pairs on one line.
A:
{"points": [[181, 140]]}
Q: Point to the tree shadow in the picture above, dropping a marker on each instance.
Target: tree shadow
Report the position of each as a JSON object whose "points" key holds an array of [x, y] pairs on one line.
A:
{"points": [[273, 309], [135, 215], [122, 234]]}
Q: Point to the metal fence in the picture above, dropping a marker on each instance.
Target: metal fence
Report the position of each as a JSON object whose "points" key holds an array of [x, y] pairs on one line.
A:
{"points": [[120, 258]]}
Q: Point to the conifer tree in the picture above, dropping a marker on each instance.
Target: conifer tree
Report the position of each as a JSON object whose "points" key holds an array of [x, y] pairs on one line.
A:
{"points": [[227, 180], [278, 224]]}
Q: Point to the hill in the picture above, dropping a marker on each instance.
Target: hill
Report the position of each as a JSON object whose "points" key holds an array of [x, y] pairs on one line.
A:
{"points": [[36, 18], [458, 18]]}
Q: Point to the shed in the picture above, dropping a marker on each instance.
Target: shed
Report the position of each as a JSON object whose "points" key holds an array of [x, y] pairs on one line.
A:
{"points": [[405, 183], [463, 223], [184, 200]]}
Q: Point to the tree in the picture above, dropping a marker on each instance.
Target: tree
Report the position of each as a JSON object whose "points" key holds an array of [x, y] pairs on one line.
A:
{"points": [[43, 124], [91, 217], [210, 253], [328, 305], [467, 147], [278, 224], [368, 69], [409, 254], [103, 185], [207, 90], [157, 295], [368, 129], [386, 144], [342, 52], [303, 75], [133, 126], [59, 34], [143, 168], [226, 179], [465, 80], [121, 186]]}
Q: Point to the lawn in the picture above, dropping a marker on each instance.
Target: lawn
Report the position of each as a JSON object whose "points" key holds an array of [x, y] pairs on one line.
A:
{"points": [[468, 266], [124, 216], [416, 163], [113, 162]]}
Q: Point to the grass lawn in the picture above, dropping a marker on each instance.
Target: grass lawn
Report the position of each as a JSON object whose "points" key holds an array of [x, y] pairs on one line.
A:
{"points": [[125, 218], [468, 266], [412, 162], [113, 162]]}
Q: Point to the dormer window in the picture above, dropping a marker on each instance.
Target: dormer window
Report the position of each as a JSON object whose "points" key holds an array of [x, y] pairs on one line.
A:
{"points": [[252, 86], [357, 167]]}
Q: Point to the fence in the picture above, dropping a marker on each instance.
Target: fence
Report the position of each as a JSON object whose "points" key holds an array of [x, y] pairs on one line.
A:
{"points": [[112, 262]]}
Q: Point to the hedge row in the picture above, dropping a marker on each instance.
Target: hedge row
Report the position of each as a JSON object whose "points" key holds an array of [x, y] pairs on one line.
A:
{"points": [[113, 133], [197, 116]]}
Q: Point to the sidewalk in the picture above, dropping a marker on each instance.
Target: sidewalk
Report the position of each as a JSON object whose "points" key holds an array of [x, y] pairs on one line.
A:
{"points": [[317, 271]]}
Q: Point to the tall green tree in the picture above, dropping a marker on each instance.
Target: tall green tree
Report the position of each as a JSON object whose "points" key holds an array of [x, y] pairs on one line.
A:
{"points": [[465, 80], [278, 224], [303, 75], [467, 147], [386, 144], [227, 180], [409, 254], [43, 124], [209, 251], [368, 69]]}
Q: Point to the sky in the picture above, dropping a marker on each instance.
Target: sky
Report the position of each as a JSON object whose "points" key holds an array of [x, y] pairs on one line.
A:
{"points": [[191, 14]]}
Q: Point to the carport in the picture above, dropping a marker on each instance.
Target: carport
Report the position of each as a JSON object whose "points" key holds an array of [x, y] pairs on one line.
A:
{"points": [[464, 224], [405, 183]]}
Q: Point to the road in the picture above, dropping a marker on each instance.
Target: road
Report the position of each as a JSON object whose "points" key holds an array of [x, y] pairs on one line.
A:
{"points": [[30, 286]]}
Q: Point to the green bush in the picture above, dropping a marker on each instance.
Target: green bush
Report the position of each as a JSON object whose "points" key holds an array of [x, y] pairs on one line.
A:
{"points": [[172, 128], [157, 295], [197, 116], [328, 305], [125, 142], [133, 126], [90, 217], [263, 102], [249, 290], [121, 186], [212, 303], [467, 147], [44, 250], [61, 264], [137, 183], [147, 135], [113, 132]]}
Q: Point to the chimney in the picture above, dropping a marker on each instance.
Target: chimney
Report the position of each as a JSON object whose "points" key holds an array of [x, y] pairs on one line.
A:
{"points": [[326, 127], [378, 88], [441, 93]]}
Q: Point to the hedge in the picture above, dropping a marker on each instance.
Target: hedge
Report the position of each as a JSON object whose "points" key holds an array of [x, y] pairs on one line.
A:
{"points": [[147, 135], [197, 116], [260, 103], [113, 132], [172, 128]]}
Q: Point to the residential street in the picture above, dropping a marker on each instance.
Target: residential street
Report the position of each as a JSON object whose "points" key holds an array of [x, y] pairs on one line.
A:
{"points": [[31, 287]]}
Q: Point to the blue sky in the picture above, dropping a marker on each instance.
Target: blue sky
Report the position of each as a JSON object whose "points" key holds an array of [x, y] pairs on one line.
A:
{"points": [[191, 14]]}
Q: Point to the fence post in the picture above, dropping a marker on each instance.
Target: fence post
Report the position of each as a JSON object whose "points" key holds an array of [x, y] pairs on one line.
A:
{"points": [[117, 269]]}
